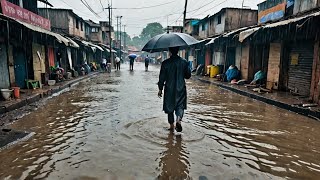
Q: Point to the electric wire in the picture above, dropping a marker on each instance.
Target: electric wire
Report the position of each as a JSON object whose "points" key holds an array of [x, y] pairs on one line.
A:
{"points": [[146, 7]]}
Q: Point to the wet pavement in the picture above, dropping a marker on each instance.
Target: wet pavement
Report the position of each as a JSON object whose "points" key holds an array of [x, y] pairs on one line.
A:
{"points": [[112, 127]]}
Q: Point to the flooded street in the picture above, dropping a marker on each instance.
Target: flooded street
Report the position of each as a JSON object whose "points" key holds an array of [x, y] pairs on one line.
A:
{"points": [[112, 127]]}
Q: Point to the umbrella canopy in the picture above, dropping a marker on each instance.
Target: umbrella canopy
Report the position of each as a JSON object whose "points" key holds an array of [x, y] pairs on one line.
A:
{"points": [[164, 41], [133, 56]]}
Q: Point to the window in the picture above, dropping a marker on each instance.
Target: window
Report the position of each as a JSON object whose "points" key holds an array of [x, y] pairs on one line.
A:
{"points": [[81, 26], [219, 19], [203, 27], [95, 30], [77, 23]]}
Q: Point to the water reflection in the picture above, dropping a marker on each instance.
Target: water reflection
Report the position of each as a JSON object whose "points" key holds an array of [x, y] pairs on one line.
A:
{"points": [[174, 162], [113, 126]]}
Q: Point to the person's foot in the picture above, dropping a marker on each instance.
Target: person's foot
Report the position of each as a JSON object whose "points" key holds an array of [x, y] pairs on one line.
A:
{"points": [[171, 127], [178, 127]]}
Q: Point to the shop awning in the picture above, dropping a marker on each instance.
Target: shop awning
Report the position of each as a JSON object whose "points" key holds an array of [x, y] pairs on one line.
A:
{"points": [[202, 41], [59, 38], [107, 48], [73, 44], [212, 41], [93, 46], [235, 32], [286, 22], [247, 33]]}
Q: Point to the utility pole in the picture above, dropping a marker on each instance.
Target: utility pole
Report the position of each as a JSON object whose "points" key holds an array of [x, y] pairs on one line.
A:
{"points": [[110, 50], [240, 19], [118, 28], [184, 15], [124, 37], [120, 37]]}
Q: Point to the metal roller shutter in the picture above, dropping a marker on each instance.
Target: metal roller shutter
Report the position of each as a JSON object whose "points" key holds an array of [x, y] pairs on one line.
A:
{"points": [[300, 68]]}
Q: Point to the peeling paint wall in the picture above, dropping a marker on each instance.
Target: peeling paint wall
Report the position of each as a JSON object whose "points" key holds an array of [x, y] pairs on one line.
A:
{"points": [[38, 62], [11, 65], [273, 74], [244, 65]]}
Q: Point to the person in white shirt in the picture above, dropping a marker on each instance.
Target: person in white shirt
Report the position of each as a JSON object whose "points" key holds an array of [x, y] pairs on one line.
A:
{"points": [[118, 61], [104, 64]]}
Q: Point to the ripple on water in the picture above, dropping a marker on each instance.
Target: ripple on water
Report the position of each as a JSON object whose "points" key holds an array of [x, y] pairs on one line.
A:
{"points": [[155, 129]]}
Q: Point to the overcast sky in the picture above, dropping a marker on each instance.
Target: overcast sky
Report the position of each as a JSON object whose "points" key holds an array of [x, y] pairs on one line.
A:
{"points": [[135, 20]]}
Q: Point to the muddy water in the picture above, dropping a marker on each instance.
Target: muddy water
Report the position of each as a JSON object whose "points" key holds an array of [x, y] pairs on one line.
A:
{"points": [[112, 127]]}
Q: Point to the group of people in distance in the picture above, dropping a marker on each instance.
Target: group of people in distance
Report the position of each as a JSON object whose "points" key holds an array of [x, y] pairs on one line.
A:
{"points": [[146, 62], [105, 65]]}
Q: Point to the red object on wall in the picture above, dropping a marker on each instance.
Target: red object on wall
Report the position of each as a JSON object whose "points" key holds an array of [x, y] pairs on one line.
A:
{"points": [[208, 57], [51, 57], [14, 11]]}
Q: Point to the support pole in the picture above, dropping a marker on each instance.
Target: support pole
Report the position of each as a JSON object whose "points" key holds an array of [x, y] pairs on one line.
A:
{"points": [[110, 50], [184, 14], [120, 38], [124, 37]]}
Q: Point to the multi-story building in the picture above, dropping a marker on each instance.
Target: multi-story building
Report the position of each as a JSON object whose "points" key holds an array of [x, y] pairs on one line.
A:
{"points": [[227, 19], [96, 32], [65, 21], [23, 53]]}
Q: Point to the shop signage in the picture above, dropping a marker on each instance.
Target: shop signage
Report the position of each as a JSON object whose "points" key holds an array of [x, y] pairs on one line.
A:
{"points": [[272, 14], [294, 59], [16, 12]]}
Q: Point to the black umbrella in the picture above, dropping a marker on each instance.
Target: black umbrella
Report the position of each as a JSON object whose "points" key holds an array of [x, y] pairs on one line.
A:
{"points": [[163, 41]]}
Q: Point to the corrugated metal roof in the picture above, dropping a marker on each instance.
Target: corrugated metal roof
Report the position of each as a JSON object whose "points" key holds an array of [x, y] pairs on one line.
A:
{"points": [[285, 22], [73, 44], [247, 33], [59, 38], [92, 45], [212, 41]]}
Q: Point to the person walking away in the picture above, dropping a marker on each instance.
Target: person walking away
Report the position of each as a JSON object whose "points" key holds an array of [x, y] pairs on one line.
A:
{"points": [[172, 77], [118, 61], [131, 63], [146, 62], [104, 64]]}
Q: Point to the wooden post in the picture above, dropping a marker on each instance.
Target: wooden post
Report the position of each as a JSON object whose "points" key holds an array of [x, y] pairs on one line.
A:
{"points": [[315, 86], [184, 14]]}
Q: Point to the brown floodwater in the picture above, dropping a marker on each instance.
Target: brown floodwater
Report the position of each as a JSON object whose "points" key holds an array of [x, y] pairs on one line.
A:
{"points": [[112, 127]]}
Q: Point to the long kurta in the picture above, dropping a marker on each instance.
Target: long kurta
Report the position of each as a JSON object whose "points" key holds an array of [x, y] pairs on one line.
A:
{"points": [[172, 77]]}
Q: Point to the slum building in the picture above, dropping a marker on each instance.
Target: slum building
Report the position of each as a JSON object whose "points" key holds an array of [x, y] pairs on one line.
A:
{"points": [[25, 38], [292, 39], [284, 44], [210, 27]]}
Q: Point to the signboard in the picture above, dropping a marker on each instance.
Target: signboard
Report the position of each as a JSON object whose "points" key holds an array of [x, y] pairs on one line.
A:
{"points": [[274, 13], [294, 59], [14, 11]]}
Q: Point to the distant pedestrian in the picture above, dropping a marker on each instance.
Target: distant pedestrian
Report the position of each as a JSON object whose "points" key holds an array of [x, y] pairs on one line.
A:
{"points": [[118, 61], [104, 64], [146, 62], [131, 63], [172, 77]]}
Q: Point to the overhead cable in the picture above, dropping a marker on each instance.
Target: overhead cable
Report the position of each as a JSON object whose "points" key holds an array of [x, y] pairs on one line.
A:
{"points": [[146, 7]]}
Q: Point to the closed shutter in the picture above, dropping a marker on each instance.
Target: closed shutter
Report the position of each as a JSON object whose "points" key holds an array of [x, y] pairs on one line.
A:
{"points": [[4, 77], [300, 68]]}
